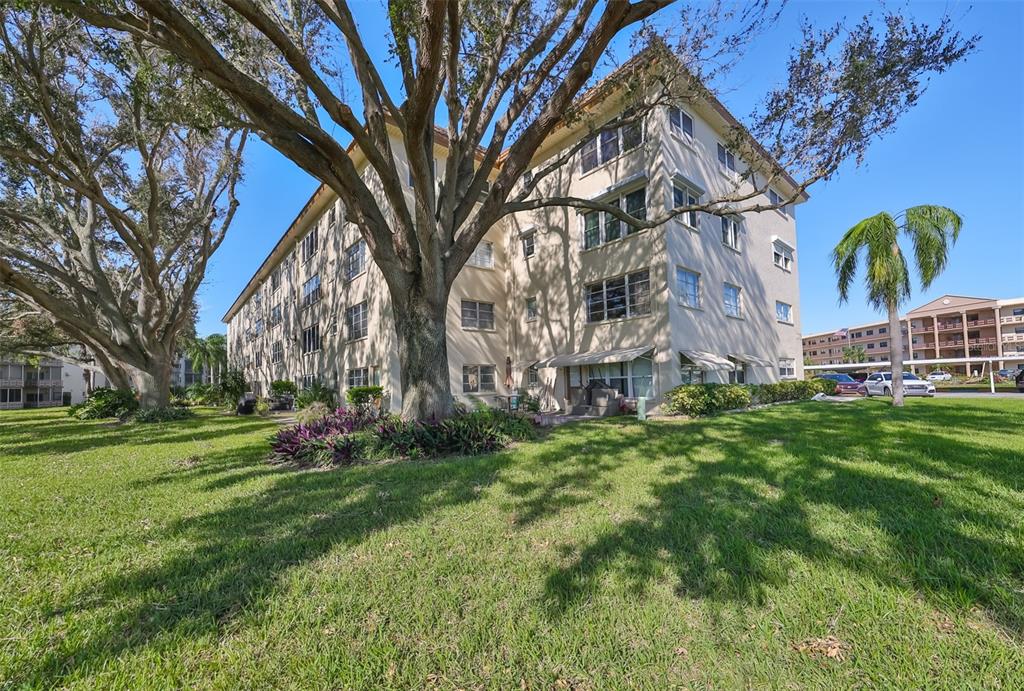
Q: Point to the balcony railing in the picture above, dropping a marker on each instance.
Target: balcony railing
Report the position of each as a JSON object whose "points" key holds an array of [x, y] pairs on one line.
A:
{"points": [[982, 322], [1012, 319], [949, 326], [1012, 338]]}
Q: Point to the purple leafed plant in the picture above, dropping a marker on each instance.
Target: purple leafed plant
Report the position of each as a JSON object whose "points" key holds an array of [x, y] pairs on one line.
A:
{"points": [[288, 441]]}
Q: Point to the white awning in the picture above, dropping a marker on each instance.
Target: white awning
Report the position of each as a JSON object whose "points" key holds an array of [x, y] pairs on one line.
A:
{"points": [[751, 360], [595, 357], [708, 361]]}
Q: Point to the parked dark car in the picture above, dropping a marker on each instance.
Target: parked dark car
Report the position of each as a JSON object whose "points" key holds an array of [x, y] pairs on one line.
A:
{"points": [[1020, 380], [845, 384]]}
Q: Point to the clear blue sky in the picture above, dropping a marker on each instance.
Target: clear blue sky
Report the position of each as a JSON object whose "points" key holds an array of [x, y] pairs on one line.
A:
{"points": [[962, 146]]}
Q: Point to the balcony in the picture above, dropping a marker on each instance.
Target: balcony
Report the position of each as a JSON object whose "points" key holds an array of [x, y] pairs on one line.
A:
{"points": [[1013, 338], [11, 383], [1012, 319], [959, 343], [981, 322], [949, 326]]}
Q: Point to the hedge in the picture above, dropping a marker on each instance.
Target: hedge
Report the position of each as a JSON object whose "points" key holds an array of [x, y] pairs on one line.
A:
{"points": [[707, 399]]}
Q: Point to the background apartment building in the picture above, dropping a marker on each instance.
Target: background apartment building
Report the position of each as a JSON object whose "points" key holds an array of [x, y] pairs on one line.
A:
{"points": [[555, 299], [952, 326]]}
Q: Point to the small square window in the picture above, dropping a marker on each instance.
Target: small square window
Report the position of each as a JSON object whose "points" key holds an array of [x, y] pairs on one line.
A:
{"points": [[531, 309], [529, 244]]}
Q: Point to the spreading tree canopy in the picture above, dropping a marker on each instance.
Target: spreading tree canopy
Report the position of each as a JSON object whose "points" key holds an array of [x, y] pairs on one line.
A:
{"points": [[498, 78]]}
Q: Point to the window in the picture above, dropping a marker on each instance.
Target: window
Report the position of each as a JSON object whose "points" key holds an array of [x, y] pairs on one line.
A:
{"points": [[787, 367], [477, 315], [782, 256], [776, 198], [308, 380], [355, 260], [738, 373], [332, 217], [311, 291], [529, 244], [259, 358], [869, 332], [688, 284], [603, 147], [871, 346], [726, 159], [641, 377], [883, 330], [690, 371], [614, 375], [356, 321], [309, 245], [623, 296], [883, 344], [532, 377], [311, 339], [483, 255], [531, 309], [275, 279], [359, 376], [679, 122], [784, 312], [277, 352], [731, 295], [1018, 311], [731, 233], [258, 328], [683, 195], [600, 227], [10, 395], [275, 315], [477, 378]]}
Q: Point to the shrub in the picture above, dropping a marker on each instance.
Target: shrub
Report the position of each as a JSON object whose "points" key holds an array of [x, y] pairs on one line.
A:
{"points": [[316, 392], [286, 444], [231, 387], [161, 414], [262, 407], [283, 387], [365, 396], [203, 394], [312, 412], [705, 399], [529, 402], [104, 403]]}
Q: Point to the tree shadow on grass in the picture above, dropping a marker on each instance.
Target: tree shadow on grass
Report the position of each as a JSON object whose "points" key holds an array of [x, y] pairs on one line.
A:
{"points": [[233, 556], [725, 526]]}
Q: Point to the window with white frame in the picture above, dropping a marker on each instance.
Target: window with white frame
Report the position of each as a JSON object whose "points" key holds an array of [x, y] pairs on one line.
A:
{"points": [[600, 227], [276, 315], [355, 259], [691, 372], [732, 300], [731, 232], [619, 297], [308, 380], [332, 217], [311, 291], [309, 245], [680, 122], [532, 377], [738, 373], [478, 378], [311, 339], [477, 315], [606, 145], [782, 256], [483, 255], [784, 312], [688, 285], [684, 195], [275, 279], [356, 321], [277, 352], [727, 159], [532, 311], [529, 243], [10, 395], [787, 368], [258, 359], [359, 376], [258, 327], [776, 198]]}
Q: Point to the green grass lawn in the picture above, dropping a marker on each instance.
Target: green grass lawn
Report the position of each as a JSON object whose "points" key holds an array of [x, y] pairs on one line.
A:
{"points": [[735, 551]]}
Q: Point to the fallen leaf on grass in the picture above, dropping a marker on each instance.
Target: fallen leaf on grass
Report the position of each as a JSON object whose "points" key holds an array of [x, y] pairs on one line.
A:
{"points": [[830, 647]]}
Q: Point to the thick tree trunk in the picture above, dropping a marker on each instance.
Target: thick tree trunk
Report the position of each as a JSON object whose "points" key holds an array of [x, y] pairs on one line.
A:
{"points": [[896, 355], [423, 355], [154, 382]]}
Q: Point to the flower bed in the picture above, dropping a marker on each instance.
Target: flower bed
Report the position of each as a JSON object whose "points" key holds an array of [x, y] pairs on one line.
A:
{"points": [[353, 435], [696, 400]]}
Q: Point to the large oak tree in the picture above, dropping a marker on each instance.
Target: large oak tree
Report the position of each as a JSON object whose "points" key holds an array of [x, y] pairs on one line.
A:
{"points": [[116, 187], [499, 78]]}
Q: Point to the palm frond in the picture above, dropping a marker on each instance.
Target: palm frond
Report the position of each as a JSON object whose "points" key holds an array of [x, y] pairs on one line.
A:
{"points": [[933, 230]]}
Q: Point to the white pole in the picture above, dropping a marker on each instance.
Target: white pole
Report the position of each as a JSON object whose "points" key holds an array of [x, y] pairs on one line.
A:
{"points": [[991, 381]]}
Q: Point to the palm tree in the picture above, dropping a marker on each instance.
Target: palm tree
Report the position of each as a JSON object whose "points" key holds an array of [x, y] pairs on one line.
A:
{"points": [[932, 231], [855, 354], [217, 352], [198, 352]]}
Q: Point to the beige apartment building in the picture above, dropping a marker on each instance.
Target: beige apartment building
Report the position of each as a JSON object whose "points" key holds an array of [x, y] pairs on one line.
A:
{"points": [[31, 386], [553, 300], [952, 326]]}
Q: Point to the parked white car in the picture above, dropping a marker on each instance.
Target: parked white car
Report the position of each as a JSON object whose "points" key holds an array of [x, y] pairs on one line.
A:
{"points": [[939, 375], [880, 384]]}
